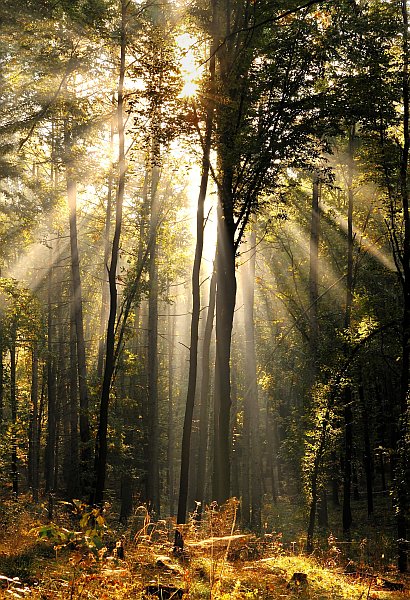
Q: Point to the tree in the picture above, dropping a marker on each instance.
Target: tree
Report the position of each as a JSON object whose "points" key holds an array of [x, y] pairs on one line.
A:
{"points": [[101, 440], [196, 298], [260, 130]]}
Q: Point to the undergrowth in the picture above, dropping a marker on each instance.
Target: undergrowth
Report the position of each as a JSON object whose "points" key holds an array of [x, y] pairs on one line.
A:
{"points": [[80, 556]]}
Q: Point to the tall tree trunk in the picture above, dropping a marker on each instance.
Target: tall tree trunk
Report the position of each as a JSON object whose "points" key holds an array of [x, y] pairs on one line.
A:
{"points": [[245, 446], [62, 412], [100, 464], [196, 309], [51, 389], [368, 458], [235, 451], [335, 479], [347, 393], [225, 260], [251, 386], [314, 277], [204, 397], [402, 474], [225, 306], [1, 376], [73, 482], [271, 448], [171, 423], [33, 446], [314, 483], [85, 449], [153, 483], [13, 407], [313, 313], [105, 285]]}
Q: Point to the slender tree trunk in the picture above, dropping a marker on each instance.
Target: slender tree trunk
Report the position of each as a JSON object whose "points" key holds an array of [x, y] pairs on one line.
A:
{"points": [[347, 462], [271, 449], [251, 387], [235, 452], [256, 451], [204, 397], [73, 482], [39, 431], [355, 479], [313, 502], [51, 390], [347, 393], [320, 495], [225, 306], [101, 447], [126, 495], [245, 456], [322, 512], [314, 277], [13, 407], [153, 483], [402, 472], [171, 418], [334, 479], [1, 376], [57, 443], [105, 290], [62, 397], [33, 446], [85, 449], [196, 309]]}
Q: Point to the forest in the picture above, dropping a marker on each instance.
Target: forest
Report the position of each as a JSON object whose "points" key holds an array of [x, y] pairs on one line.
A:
{"points": [[204, 298]]}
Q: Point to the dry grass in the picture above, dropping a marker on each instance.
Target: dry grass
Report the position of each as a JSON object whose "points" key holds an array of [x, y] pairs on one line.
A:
{"points": [[234, 568]]}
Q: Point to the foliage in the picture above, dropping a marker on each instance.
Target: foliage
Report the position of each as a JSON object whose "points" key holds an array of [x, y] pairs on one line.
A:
{"points": [[239, 576], [89, 539]]}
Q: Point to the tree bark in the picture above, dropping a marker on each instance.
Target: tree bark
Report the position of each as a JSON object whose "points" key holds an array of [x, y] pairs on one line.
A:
{"points": [[1, 376], [225, 306], [196, 309], [101, 446], [105, 290], [73, 483], [256, 450], [347, 393], [402, 474], [171, 418], [13, 407], [204, 397], [152, 475], [51, 389], [85, 450], [33, 440], [251, 387], [314, 276]]}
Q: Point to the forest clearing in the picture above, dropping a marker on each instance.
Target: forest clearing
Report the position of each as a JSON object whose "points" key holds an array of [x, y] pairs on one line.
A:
{"points": [[204, 299], [127, 562]]}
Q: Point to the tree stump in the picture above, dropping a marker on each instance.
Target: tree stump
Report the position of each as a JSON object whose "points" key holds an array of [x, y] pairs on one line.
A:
{"points": [[298, 581]]}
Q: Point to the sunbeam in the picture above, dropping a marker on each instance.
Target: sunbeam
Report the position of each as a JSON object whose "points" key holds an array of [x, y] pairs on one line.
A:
{"points": [[361, 239]]}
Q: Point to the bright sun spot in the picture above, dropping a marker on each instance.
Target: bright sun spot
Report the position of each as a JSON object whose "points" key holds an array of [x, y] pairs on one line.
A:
{"points": [[190, 89], [189, 69]]}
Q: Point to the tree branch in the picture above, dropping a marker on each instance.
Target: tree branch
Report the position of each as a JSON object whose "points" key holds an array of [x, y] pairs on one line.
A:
{"points": [[252, 28]]}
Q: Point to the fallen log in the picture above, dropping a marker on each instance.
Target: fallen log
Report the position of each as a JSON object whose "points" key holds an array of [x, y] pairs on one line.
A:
{"points": [[220, 542]]}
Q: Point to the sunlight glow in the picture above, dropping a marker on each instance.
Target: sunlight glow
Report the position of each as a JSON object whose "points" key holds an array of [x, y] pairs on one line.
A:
{"points": [[190, 89], [360, 238], [189, 69], [328, 275]]}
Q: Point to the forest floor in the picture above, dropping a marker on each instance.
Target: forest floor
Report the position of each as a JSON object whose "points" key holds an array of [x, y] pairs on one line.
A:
{"points": [[43, 560]]}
